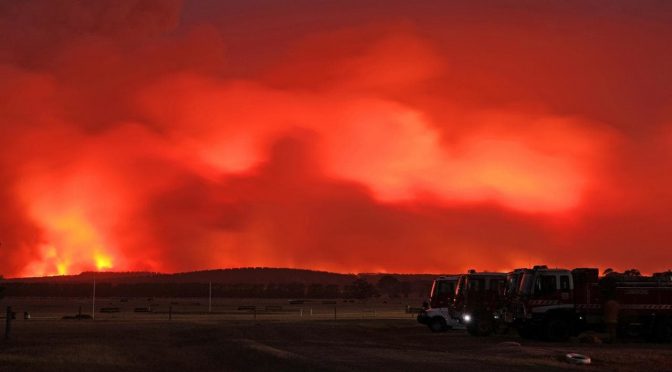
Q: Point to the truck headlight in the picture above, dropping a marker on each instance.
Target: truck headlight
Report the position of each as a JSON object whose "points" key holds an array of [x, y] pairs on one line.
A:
{"points": [[466, 318]]}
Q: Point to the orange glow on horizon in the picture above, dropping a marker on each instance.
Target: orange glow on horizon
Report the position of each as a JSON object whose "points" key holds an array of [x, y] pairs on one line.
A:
{"points": [[103, 262], [74, 229], [76, 247]]}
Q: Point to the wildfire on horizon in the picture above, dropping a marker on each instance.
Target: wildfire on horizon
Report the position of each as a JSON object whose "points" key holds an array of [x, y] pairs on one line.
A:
{"points": [[168, 136]]}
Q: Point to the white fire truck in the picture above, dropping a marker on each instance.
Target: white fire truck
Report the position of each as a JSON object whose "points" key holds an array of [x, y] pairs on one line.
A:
{"points": [[437, 310], [465, 301]]}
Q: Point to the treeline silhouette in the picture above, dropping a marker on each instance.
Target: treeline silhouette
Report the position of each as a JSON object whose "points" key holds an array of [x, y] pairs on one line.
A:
{"points": [[258, 275], [237, 290], [229, 283]]}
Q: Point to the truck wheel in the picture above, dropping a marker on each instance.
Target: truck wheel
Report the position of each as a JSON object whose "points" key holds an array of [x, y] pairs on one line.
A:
{"points": [[527, 333], [481, 327], [557, 329], [501, 329], [662, 331], [437, 324]]}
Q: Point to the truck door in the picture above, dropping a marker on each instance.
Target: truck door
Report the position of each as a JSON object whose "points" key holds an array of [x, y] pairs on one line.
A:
{"points": [[475, 293], [496, 289], [566, 290]]}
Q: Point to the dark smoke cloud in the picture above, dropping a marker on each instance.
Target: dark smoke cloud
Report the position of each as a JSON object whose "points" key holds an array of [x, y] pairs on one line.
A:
{"points": [[157, 135]]}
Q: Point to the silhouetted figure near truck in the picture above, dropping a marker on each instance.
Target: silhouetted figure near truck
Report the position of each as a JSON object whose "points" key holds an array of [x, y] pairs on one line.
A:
{"points": [[611, 309]]}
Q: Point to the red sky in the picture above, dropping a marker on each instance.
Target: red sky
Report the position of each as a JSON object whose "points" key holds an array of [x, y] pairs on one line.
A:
{"points": [[347, 136]]}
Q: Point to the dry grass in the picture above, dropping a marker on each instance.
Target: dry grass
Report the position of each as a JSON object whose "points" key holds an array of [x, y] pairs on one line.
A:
{"points": [[222, 309], [122, 342]]}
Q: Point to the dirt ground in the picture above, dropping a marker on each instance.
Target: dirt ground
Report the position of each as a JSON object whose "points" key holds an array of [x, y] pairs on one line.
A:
{"points": [[271, 344]]}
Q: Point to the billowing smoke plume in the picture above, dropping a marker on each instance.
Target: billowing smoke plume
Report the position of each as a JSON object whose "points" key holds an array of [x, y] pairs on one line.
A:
{"points": [[157, 135]]}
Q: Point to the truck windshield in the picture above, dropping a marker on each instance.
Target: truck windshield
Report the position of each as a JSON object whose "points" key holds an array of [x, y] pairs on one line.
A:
{"points": [[526, 284], [512, 284], [444, 289], [545, 285], [459, 289], [474, 285]]}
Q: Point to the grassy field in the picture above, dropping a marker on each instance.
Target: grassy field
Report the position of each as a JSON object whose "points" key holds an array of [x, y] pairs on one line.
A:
{"points": [[220, 309], [128, 341]]}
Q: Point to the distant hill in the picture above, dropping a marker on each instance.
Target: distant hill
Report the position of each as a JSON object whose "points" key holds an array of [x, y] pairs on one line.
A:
{"points": [[375, 277], [257, 282], [250, 275]]}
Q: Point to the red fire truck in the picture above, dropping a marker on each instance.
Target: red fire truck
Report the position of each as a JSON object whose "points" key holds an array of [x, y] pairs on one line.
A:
{"points": [[436, 313], [478, 298], [554, 304], [513, 282]]}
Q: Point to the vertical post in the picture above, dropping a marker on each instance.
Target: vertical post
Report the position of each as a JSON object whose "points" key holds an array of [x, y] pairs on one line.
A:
{"points": [[210, 298], [311, 311], [170, 312], [301, 312], [93, 305], [8, 322]]}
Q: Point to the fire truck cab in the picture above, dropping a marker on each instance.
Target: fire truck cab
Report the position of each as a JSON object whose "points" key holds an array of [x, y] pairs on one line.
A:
{"points": [[436, 313], [543, 304], [513, 283], [554, 304], [478, 299]]}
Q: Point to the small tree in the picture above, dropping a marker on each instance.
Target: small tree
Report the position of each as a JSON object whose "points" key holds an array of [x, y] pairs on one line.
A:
{"points": [[405, 289], [665, 274], [389, 285], [632, 272], [315, 290], [360, 289]]}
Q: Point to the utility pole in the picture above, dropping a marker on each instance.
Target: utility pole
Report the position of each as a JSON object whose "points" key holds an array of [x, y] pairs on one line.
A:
{"points": [[8, 322], [93, 305]]}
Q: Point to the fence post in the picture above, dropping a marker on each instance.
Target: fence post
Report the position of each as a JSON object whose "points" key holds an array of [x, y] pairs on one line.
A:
{"points": [[8, 322], [210, 297]]}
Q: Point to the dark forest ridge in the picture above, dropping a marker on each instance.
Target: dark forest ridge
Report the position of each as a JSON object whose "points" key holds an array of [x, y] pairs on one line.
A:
{"points": [[232, 275]]}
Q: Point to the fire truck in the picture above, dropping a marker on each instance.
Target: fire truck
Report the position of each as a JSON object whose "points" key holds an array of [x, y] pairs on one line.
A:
{"points": [[512, 283], [436, 313], [478, 298], [554, 304]]}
